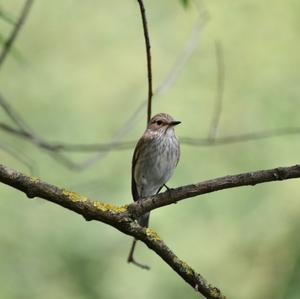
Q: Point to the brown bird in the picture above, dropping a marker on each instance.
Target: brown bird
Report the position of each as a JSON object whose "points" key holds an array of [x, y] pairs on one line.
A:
{"points": [[154, 160]]}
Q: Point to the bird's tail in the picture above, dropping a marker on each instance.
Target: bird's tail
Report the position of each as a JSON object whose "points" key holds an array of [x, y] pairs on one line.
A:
{"points": [[144, 220]]}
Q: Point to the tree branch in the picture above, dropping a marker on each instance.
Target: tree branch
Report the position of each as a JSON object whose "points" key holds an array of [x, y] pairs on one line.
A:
{"points": [[148, 53], [122, 218], [13, 35], [126, 145], [148, 204], [13, 114], [118, 217], [238, 138]]}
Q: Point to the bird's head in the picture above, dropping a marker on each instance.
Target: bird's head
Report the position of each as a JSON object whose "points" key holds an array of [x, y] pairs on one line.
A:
{"points": [[162, 122]]}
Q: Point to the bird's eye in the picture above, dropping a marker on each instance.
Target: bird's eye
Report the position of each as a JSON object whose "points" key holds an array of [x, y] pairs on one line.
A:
{"points": [[159, 122]]}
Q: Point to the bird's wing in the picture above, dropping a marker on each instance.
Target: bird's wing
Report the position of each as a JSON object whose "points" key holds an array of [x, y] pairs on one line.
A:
{"points": [[178, 152], [143, 143], [134, 190]]}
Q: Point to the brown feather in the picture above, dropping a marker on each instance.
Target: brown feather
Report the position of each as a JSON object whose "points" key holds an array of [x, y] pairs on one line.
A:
{"points": [[134, 192]]}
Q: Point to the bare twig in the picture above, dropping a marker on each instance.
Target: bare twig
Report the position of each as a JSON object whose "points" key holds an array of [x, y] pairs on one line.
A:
{"points": [[66, 147], [220, 91], [148, 54], [118, 217], [149, 104], [16, 29], [190, 141], [54, 148], [184, 57], [239, 138], [25, 132]]}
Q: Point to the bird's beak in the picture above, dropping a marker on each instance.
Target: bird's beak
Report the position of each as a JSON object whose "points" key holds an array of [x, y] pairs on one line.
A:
{"points": [[175, 123]]}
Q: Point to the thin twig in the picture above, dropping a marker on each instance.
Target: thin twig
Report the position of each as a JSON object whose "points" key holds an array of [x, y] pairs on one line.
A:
{"points": [[184, 56], [220, 91], [26, 132], [65, 147], [148, 54], [20, 157], [13, 115], [119, 146], [239, 138], [13, 35]]}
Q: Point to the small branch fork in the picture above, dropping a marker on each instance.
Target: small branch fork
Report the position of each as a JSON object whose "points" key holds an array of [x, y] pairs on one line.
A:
{"points": [[118, 217], [123, 218]]}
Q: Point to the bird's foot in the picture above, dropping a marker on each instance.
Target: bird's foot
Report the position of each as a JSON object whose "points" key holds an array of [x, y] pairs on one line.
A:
{"points": [[169, 191]]}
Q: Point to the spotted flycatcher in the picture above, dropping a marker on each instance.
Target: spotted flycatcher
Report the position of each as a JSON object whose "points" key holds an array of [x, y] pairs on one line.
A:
{"points": [[154, 160]]}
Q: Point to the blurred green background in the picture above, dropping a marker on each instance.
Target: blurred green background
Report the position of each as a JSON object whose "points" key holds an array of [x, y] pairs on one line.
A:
{"points": [[79, 74]]}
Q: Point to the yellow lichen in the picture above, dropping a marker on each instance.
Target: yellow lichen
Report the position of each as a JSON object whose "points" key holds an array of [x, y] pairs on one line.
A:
{"points": [[109, 207], [216, 293], [153, 234], [34, 179], [73, 196], [187, 268]]}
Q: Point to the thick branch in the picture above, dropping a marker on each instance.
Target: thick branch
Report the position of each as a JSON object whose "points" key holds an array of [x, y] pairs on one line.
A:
{"points": [[118, 217], [226, 182], [34, 187], [122, 218]]}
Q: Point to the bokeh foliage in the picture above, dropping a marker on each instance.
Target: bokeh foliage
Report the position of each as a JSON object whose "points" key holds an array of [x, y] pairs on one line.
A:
{"points": [[83, 74]]}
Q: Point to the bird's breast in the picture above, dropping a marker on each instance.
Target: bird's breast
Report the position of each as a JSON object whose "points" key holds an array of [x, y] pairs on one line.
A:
{"points": [[156, 164]]}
